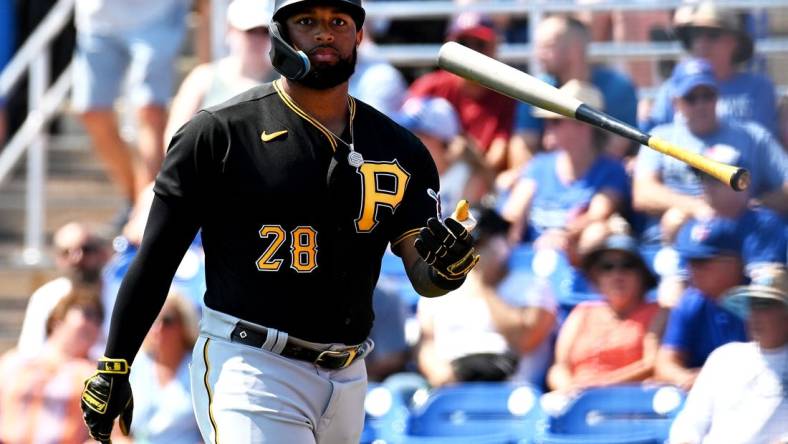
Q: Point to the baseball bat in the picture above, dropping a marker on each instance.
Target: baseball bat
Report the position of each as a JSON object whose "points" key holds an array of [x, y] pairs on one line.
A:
{"points": [[518, 85]]}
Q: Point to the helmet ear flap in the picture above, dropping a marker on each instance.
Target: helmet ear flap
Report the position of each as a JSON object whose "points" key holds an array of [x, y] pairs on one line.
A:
{"points": [[288, 61]]}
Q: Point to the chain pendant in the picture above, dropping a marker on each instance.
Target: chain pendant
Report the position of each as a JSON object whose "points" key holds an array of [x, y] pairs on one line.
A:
{"points": [[354, 158]]}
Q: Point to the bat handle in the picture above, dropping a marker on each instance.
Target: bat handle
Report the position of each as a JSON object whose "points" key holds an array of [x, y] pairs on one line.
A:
{"points": [[736, 177]]}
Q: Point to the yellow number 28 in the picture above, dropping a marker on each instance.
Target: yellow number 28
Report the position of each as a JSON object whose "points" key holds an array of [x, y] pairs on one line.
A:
{"points": [[303, 248]]}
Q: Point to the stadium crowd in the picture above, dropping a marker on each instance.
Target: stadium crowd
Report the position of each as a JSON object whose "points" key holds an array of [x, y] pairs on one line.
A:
{"points": [[601, 263]]}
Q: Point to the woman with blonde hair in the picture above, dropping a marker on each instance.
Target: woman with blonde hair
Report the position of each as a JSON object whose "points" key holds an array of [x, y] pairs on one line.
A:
{"points": [[160, 377]]}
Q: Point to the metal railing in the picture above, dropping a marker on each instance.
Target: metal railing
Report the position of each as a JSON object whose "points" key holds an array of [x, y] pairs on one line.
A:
{"points": [[44, 102]]}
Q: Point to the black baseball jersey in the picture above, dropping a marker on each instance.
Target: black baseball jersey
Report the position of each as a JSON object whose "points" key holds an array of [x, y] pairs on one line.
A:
{"points": [[293, 233]]}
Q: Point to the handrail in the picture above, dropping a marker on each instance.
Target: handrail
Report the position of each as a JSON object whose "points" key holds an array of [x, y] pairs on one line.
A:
{"points": [[31, 137], [57, 18], [34, 123]]}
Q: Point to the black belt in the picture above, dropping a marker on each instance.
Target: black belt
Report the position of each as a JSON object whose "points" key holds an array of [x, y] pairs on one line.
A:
{"points": [[255, 336]]}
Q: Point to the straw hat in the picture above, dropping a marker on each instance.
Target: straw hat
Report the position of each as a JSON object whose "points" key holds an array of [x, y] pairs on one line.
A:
{"points": [[707, 14]]}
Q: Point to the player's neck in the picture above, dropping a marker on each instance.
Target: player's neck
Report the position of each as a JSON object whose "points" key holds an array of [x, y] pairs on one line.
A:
{"points": [[328, 106]]}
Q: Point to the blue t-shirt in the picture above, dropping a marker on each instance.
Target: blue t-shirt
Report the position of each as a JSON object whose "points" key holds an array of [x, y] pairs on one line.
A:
{"points": [[618, 91], [697, 326], [745, 96], [162, 414], [554, 203], [761, 154]]}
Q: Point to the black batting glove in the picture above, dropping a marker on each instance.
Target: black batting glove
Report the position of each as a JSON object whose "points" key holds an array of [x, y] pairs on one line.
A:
{"points": [[107, 395], [448, 248]]}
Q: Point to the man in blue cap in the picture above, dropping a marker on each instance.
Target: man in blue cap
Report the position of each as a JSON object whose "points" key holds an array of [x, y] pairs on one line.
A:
{"points": [[699, 324], [667, 189]]}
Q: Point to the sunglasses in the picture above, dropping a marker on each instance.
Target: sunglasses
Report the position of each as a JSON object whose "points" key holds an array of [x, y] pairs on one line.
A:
{"points": [[705, 97], [624, 265], [709, 33], [86, 248]]}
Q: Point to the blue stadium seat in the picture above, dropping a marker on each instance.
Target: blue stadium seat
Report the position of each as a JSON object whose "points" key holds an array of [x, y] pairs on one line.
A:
{"points": [[385, 415], [620, 414], [498, 412]]}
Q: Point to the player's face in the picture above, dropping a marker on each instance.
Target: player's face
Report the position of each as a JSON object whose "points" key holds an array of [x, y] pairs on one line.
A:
{"points": [[329, 37]]}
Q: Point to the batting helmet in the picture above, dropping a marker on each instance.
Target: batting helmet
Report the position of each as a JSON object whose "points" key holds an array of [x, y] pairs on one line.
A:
{"points": [[288, 61], [353, 7]]}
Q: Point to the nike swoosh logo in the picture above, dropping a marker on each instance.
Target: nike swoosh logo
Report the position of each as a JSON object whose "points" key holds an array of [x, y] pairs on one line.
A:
{"points": [[265, 137]]}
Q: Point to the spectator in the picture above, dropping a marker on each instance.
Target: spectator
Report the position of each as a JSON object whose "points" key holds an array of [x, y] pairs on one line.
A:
{"points": [[666, 188], [376, 82], [247, 65], [487, 330], [699, 324], [160, 377], [741, 394], [117, 38], [615, 340], [561, 48], [761, 231], [40, 395], [80, 255], [391, 352], [463, 174], [485, 116], [561, 192], [706, 31]]}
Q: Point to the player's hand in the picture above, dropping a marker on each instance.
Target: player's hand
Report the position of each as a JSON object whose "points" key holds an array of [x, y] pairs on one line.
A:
{"points": [[107, 395], [447, 247]]}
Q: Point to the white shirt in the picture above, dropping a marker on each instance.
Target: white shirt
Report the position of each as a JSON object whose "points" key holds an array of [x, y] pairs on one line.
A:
{"points": [[39, 307], [739, 397]]}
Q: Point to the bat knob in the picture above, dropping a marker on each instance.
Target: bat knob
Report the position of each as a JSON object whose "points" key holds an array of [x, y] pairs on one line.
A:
{"points": [[740, 180]]}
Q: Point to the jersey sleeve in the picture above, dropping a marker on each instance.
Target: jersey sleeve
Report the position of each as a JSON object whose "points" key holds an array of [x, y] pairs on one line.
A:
{"points": [[421, 200], [190, 159]]}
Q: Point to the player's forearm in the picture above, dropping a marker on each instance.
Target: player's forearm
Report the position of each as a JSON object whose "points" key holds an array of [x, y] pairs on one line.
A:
{"points": [[655, 198], [168, 233]]}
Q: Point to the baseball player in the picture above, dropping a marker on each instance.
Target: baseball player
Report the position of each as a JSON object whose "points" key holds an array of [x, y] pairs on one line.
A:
{"points": [[298, 189]]}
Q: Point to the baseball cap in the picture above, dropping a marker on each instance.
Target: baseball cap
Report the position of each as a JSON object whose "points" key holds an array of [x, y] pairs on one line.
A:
{"points": [[708, 15], [691, 74], [249, 14], [430, 115], [583, 91], [705, 239], [623, 243], [768, 283], [470, 24]]}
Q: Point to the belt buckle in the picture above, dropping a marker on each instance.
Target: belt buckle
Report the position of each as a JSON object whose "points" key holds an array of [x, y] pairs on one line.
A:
{"points": [[351, 355]]}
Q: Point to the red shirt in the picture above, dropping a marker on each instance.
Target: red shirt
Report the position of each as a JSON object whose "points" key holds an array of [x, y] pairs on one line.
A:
{"points": [[484, 118], [605, 346]]}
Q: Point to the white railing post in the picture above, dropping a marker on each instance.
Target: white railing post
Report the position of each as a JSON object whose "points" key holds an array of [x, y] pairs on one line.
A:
{"points": [[33, 253], [535, 17]]}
